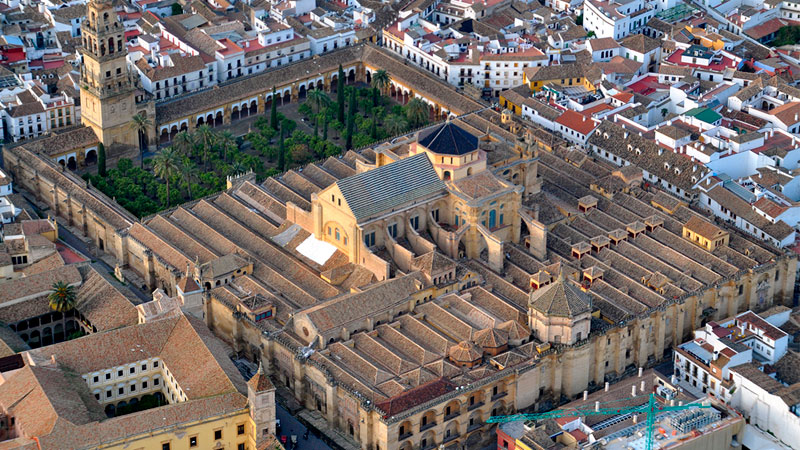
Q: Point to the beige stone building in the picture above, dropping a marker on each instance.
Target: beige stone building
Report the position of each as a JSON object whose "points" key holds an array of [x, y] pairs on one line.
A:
{"points": [[407, 342], [446, 291], [108, 99]]}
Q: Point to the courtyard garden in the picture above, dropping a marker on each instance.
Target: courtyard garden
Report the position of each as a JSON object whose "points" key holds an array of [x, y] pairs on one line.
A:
{"points": [[196, 164]]}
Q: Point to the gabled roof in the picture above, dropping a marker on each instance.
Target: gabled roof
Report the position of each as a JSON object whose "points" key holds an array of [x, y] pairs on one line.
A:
{"points": [[560, 299], [414, 397], [704, 228], [386, 187], [448, 139], [640, 43], [577, 122], [223, 265]]}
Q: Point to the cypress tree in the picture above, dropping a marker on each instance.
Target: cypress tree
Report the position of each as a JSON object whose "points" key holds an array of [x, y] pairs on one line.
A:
{"points": [[373, 132], [316, 127], [101, 160], [281, 153], [351, 119], [376, 96], [273, 118], [340, 95], [324, 128]]}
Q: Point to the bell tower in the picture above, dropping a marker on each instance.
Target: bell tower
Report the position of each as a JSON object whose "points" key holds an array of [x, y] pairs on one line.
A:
{"points": [[107, 91]]}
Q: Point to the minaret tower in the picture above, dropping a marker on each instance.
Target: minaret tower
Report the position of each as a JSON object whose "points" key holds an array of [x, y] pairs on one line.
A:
{"points": [[107, 91]]}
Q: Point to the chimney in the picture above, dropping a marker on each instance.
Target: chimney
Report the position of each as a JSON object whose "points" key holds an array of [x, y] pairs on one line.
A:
{"points": [[585, 395], [642, 386], [597, 406], [635, 418], [795, 117], [606, 389], [641, 370], [633, 390], [625, 135]]}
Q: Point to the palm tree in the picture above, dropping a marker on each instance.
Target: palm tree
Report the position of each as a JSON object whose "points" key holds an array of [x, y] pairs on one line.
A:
{"points": [[165, 166], [318, 99], [205, 137], [62, 298], [381, 80], [140, 124], [417, 112], [237, 167], [188, 172], [184, 142], [227, 142], [395, 124]]}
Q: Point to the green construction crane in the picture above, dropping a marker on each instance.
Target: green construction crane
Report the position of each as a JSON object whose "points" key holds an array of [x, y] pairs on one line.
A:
{"points": [[651, 408]]}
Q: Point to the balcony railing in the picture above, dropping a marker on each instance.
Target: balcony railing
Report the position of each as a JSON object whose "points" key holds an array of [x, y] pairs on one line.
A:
{"points": [[474, 427], [451, 437], [427, 426], [499, 395], [474, 405], [451, 416]]}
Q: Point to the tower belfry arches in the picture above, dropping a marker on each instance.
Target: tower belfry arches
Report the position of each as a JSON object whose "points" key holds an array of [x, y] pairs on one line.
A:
{"points": [[107, 91]]}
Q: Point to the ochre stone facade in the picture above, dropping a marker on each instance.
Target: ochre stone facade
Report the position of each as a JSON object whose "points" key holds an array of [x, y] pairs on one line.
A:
{"points": [[107, 91], [385, 379]]}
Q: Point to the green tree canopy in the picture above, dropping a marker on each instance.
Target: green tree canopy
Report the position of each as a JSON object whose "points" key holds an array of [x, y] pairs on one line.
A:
{"points": [[62, 297]]}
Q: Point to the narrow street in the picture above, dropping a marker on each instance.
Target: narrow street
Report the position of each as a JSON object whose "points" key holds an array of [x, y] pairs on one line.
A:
{"points": [[290, 425]]}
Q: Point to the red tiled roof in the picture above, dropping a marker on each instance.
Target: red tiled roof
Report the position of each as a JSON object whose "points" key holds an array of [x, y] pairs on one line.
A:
{"points": [[230, 47], [579, 435], [769, 207], [577, 122], [766, 28], [589, 112], [624, 97], [770, 331], [787, 113], [416, 396]]}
